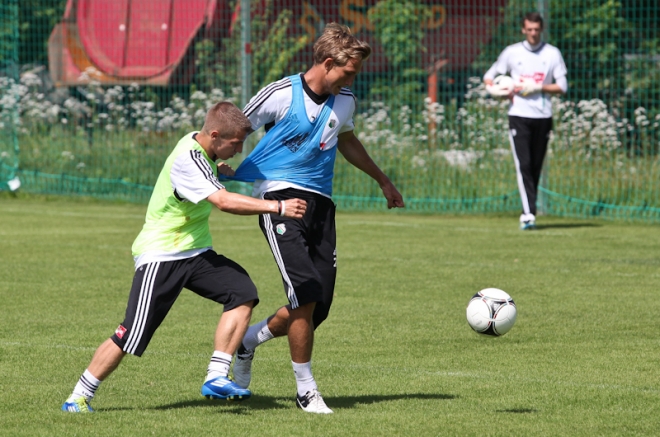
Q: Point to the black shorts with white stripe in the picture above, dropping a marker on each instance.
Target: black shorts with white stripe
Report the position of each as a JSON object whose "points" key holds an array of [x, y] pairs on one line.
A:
{"points": [[157, 285], [305, 250]]}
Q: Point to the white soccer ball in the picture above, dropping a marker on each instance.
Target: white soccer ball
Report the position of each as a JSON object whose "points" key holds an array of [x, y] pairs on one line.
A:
{"points": [[502, 86], [491, 312]]}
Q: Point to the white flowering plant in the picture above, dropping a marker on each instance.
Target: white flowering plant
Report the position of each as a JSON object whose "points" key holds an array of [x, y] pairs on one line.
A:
{"points": [[445, 150]]}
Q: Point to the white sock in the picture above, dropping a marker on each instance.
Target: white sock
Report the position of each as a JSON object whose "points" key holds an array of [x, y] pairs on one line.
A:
{"points": [[86, 387], [304, 378], [257, 334], [219, 365]]}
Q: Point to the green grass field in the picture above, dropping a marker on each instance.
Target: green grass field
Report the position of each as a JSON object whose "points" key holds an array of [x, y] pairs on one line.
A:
{"points": [[396, 356]]}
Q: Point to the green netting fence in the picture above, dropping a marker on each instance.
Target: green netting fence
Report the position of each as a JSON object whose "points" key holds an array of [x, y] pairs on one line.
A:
{"points": [[95, 93]]}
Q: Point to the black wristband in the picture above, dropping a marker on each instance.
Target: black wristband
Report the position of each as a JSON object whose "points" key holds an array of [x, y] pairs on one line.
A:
{"points": [[279, 207]]}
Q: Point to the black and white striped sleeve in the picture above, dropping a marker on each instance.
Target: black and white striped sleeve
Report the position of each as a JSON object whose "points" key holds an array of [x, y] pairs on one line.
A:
{"points": [[347, 103], [192, 177], [270, 104]]}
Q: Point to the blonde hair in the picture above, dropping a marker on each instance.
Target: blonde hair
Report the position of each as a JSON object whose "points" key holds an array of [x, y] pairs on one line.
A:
{"points": [[227, 119], [338, 43]]}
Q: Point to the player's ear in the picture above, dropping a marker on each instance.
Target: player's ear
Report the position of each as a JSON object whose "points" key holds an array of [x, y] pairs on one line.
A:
{"points": [[328, 64]]}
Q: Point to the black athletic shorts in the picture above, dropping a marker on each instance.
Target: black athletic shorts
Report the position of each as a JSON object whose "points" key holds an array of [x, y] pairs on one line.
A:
{"points": [[157, 285], [305, 250]]}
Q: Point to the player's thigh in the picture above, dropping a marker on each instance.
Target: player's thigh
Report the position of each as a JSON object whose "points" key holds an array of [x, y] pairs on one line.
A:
{"points": [[520, 130], [288, 243], [221, 280], [542, 132], [323, 252], [155, 288]]}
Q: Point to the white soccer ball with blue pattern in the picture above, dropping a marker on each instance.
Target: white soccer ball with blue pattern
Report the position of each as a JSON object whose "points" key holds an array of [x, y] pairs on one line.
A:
{"points": [[491, 312]]}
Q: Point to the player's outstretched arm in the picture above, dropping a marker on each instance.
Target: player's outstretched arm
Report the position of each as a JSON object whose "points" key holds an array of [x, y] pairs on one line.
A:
{"points": [[238, 204], [357, 155]]}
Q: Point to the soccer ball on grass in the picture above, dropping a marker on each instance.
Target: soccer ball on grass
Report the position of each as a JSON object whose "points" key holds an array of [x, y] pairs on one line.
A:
{"points": [[491, 312]]}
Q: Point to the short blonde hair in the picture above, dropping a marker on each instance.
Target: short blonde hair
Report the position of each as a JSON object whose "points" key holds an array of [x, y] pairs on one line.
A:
{"points": [[338, 43], [227, 119]]}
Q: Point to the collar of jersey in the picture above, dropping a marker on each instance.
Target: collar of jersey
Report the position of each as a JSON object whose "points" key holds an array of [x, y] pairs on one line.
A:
{"points": [[532, 48]]}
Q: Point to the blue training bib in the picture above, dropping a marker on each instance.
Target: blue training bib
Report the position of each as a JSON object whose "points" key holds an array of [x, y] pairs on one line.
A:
{"points": [[291, 151]]}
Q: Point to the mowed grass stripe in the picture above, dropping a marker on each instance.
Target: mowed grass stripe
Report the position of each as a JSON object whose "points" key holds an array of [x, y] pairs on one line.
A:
{"points": [[379, 370], [396, 355]]}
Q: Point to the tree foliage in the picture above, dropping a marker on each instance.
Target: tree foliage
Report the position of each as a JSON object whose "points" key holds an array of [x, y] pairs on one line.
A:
{"points": [[398, 28], [37, 18], [274, 51]]}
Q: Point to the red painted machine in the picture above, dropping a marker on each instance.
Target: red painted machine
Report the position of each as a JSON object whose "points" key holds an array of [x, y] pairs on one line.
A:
{"points": [[151, 41], [126, 41]]}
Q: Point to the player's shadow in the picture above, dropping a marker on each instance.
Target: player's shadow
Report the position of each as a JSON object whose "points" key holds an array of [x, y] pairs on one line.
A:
{"points": [[517, 410], [279, 403], [567, 226]]}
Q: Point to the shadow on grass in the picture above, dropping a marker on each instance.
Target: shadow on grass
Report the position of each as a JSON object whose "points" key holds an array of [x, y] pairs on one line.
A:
{"points": [[279, 403], [517, 410], [567, 226]]}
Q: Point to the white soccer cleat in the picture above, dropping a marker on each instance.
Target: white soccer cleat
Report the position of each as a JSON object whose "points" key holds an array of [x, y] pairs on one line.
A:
{"points": [[243, 366], [312, 402], [528, 225]]}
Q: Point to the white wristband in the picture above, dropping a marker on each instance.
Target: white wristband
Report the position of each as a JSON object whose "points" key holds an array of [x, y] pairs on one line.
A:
{"points": [[283, 205]]}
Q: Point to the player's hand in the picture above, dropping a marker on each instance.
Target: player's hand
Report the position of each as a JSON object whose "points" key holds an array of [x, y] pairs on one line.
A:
{"points": [[528, 87], [394, 198], [225, 169], [294, 208], [497, 93]]}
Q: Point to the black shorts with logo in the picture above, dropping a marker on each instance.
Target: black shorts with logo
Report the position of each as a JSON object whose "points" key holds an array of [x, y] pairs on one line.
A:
{"points": [[157, 285], [305, 250]]}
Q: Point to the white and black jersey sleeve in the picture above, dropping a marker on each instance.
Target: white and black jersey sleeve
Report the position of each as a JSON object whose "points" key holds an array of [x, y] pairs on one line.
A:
{"points": [[270, 104], [192, 177], [349, 108], [501, 66]]}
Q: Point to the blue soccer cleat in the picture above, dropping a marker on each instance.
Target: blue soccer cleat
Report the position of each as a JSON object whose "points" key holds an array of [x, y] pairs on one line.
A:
{"points": [[224, 388], [78, 405]]}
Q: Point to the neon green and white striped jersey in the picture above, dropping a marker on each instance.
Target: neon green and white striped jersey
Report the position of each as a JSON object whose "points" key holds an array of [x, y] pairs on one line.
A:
{"points": [[177, 219]]}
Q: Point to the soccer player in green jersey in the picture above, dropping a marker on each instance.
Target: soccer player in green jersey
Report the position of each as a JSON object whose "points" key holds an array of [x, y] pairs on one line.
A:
{"points": [[174, 251]]}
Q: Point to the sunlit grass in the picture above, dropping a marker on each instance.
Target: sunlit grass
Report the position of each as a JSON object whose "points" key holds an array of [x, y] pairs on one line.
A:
{"points": [[396, 355]]}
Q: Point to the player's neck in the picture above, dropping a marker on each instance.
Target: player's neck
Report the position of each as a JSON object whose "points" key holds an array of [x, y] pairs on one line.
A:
{"points": [[205, 141], [532, 47], [315, 79], [316, 98]]}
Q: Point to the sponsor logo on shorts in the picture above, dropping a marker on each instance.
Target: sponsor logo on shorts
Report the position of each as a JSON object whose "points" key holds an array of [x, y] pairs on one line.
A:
{"points": [[120, 331], [281, 228]]}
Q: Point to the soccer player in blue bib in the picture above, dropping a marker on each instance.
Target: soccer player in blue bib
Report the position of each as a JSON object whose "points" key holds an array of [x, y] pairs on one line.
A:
{"points": [[307, 117]]}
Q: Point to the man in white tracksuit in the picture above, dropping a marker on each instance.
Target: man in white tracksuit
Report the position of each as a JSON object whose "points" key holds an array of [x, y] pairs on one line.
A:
{"points": [[538, 70]]}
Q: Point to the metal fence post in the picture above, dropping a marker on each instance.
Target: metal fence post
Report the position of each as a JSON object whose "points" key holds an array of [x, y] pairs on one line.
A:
{"points": [[246, 71], [246, 54], [544, 10]]}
